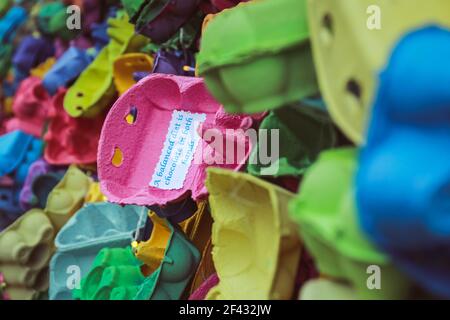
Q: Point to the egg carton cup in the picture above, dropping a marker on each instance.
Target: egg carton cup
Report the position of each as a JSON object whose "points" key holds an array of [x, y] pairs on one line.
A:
{"points": [[339, 27], [92, 228], [256, 248], [25, 250]]}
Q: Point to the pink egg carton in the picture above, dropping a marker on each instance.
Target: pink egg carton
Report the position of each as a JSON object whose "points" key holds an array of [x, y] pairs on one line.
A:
{"points": [[71, 140], [152, 144], [31, 105]]}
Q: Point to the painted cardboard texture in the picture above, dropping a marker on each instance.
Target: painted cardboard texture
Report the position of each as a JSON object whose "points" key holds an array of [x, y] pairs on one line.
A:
{"points": [[71, 140], [25, 250], [325, 211], [28, 198], [10, 208], [117, 274], [32, 51], [18, 151], [92, 228], [324, 289], [10, 22], [204, 272], [135, 134], [42, 69], [68, 67], [256, 248], [67, 197], [340, 27], [160, 20], [302, 126], [170, 257], [403, 177], [202, 292], [94, 90], [31, 106], [95, 194], [126, 65], [233, 57]]}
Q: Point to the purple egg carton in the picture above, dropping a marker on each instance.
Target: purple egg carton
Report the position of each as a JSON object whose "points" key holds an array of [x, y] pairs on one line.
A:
{"points": [[38, 169]]}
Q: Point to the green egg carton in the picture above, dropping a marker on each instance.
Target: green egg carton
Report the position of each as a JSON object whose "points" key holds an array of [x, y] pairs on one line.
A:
{"points": [[325, 211], [4, 7], [47, 12], [26, 247], [112, 268], [257, 56], [117, 274], [67, 197], [6, 51], [324, 289], [133, 8], [303, 126], [94, 90]]}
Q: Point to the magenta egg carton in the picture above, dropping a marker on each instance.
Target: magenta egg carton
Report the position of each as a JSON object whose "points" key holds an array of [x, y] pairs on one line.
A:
{"points": [[154, 147]]}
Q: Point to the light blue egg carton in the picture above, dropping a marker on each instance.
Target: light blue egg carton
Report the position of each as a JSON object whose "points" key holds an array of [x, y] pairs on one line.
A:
{"points": [[92, 228]]}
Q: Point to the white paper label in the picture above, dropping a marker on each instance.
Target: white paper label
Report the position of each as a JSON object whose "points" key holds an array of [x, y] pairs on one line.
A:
{"points": [[178, 152]]}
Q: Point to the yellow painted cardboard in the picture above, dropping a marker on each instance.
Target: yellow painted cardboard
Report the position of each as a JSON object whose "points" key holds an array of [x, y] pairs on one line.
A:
{"points": [[126, 65], [26, 247], [67, 197], [151, 252], [256, 248], [339, 30], [95, 194], [41, 70]]}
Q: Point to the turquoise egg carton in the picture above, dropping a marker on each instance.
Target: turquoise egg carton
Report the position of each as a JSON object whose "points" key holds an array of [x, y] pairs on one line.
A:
{"points": [[116, 274], [92, 228], [173, 275]]}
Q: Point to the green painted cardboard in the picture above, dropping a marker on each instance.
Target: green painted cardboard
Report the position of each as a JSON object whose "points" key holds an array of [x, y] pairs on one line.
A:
{"points": [[118, 275], [324, 289], [94, 90], [251, 63], [4, 7], [133, 8], [325, 211], [303, 133]]}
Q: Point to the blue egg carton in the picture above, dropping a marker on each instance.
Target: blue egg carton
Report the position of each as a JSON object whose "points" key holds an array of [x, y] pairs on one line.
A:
{"points": [[10, 208], [11, 22], [92, 228], [68, 67], [403, 181], [18, 151]]}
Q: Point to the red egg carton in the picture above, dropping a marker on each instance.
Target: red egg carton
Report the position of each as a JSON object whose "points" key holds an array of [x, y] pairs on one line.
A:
{"points": [[30, 107], [71, 140]]}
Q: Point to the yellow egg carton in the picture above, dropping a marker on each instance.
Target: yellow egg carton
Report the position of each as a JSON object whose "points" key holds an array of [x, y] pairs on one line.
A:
{"points": [[352, 41], [26, 247], [67, 197], [126, 65], [256, 249]]}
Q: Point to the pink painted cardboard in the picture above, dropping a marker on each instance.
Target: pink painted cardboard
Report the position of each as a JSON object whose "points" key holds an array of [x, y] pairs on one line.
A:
{"points": [[71, 140], [154, 99], [30, 107]]}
